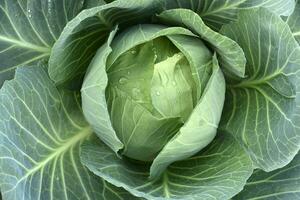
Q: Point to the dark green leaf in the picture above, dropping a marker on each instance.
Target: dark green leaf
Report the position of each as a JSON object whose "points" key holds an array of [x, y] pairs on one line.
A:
{"points": [[218, 172], [262, 111], [281, 184], [219, 12], [294, 21], [86, 33], [28, 30], [41, 129]]}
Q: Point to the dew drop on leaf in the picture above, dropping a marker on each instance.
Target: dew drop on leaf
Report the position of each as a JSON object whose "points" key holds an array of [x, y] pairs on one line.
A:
{"points": [[50, 7], [123, 80], [29, 13]]}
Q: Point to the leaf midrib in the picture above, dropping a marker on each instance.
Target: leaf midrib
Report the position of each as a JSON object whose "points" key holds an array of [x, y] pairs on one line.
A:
{"points": [[25, 44], [221, 9], [41, 56], [166, 186], [251, 83], [84, 133]]}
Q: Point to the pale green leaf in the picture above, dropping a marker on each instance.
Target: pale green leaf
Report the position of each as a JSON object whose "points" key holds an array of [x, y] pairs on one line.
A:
{"points": [[218, 172], [93, 98], [139, 34], [142, 133], [199, 58], [294, 21], [262, 111], [230, 55], [41, 129], [281, 184], [172, 87], [200, 128], [28, 30]]}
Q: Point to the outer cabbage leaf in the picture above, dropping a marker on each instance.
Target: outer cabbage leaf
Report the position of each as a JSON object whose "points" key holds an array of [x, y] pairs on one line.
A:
{"points": [[82, 36], [279, 7], [219, 12], [94, 3], [262, 111], [28, 30], [41, 129], [294, 21], [229, 53], [218, 172], [281, 184], [93, 98], [71, 56]]}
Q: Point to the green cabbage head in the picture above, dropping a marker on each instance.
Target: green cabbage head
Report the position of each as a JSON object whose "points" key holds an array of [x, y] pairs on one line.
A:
{"points": [[163, 87]]}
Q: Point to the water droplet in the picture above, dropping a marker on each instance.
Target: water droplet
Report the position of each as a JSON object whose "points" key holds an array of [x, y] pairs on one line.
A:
{"points": [[50, 6], [128, 72], [173, 83], [136, 93], [29, 13], [123, 80], [133, 51], [157, 93]]}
